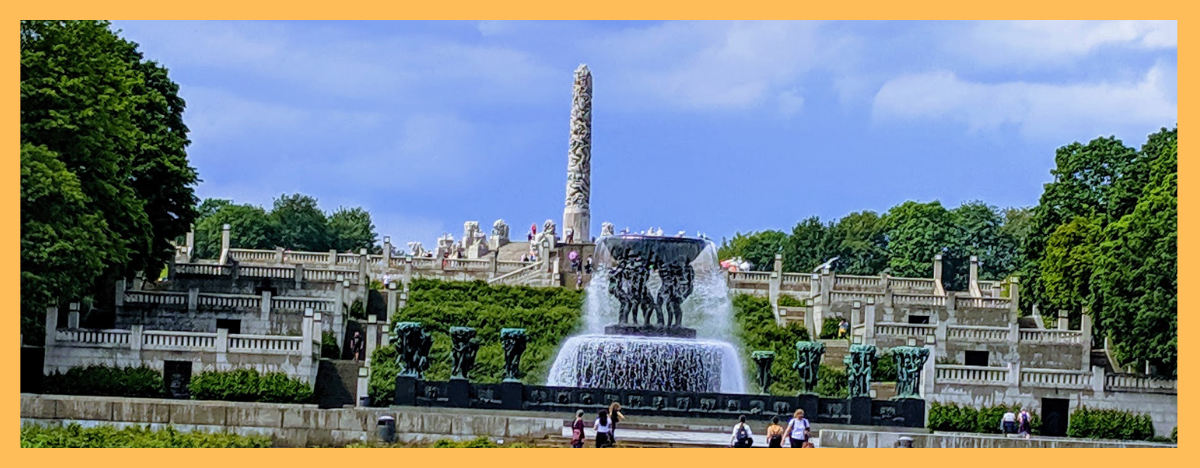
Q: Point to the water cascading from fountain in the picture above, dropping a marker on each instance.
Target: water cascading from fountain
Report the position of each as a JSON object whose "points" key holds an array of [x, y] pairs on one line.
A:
{"points": [[708, 363]]}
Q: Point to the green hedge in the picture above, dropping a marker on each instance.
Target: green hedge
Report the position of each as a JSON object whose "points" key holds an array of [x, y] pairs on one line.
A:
{"points": [[829, 328], [329, 346], [987, 420], [1175, 434], [1109, 424], [885, 368], [548, 315], [249, 385], [789, 301], [128, 382], [757, 330], [75, 436]]}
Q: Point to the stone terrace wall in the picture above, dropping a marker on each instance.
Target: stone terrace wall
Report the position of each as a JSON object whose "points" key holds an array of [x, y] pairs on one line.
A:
{"points": [[288, 425], [838, 438]]}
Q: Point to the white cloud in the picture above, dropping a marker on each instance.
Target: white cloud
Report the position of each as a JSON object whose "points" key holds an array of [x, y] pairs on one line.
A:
{"points": [[790, 102], [1040, 42], [214, 114], [1039, 110]]}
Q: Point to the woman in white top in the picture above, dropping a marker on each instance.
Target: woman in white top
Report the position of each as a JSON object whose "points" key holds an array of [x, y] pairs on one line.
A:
{"points": [[742, 437], [797, 429], [603, 429]]}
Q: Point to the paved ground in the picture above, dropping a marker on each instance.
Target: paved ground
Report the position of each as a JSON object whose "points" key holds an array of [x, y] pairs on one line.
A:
{"points": [[698, 438]]}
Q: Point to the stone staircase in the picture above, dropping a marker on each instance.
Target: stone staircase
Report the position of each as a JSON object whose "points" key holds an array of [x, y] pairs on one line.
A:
{"points": [[835, 351], [532, 275]]}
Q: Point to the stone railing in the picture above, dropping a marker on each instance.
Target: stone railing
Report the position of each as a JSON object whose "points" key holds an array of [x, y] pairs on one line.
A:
{"points": [[1137, 383], [251, 255], [857, 282], [155, 297], [103, 338], [847, 296], [918, 299], [301, 303], [426, 263], [467, 264], [347, 259], [1054, 378], [981, 302], [266, 272], [208, 269], [306, 257], [911, 284], [977, 333], [1052, 336], [265, 344], [750, 276], [326, 275], [504, 266], [160, 340], [521, 275], [971, 374], [797, 279], [178, 340], [231, 301], [904, 329]]}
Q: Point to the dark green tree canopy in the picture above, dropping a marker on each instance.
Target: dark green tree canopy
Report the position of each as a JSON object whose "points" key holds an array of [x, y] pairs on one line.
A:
{"points": [[294, 223]]}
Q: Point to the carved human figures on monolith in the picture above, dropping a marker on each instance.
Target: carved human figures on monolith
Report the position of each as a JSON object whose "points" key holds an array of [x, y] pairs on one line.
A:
{"points": [[859, 364], [412, 345], [910, 360], [763, 360], [463, 347], [513, 340], [808, 363]]}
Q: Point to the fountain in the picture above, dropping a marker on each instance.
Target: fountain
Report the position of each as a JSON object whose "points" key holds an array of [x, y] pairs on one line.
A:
{"points": [[658, 318]]}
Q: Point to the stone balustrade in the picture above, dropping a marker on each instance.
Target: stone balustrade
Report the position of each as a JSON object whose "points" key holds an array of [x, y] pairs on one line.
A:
{"points": [[1052, 336], [157, 298], [977, 333], [178, 340], [1055, 378], [266, 272], [918, 299], [93, 337], [159, 340], [1140, 384], [857, 282], [301, 303], [904, 329], [911, 284], [982, 302], [847, 296], [251, 255], [229, 301], [974, 375]]}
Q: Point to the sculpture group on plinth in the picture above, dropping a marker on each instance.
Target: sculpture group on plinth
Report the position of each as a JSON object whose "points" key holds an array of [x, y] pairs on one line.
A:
{"points": [[808, 363], [463, 348], [412, 346], [513, 340], [763, 360], [910, 360], [633, 259], [859, 365]]}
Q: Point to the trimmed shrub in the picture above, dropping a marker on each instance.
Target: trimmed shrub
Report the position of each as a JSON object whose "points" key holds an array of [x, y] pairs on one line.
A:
{"points": [[128, 382], [987, 420], [1175, 434], [329, 346], [75, 436], [248, 385], [1109, 424], [789, 301], [358, 311], [829, 328]]}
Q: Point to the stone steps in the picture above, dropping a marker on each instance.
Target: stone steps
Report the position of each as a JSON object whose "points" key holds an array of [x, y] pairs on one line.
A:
{"points": [[835, 351]]}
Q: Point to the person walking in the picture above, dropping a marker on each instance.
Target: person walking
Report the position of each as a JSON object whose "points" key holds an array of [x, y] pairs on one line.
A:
{"points": [[614, 414], [356, 345], [742, 436], [798, 429], [577, 434], [1008, 423], [1024, 423], [603, 429], [775, 434]]}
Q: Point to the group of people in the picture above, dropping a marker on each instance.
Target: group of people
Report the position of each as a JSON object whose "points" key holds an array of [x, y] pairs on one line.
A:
{"points": [[1017, 423], [797, 433], [605, 427]]}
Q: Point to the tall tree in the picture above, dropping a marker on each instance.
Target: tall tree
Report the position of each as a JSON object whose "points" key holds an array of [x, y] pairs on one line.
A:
{"points": [[862, 244], [351, 229], [1135, 285], [758, 248], [114, 121], [249, 228], [809, 245], [916, 232], [298, 224]]}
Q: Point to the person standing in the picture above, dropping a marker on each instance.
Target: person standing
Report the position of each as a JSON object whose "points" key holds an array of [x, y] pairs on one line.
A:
{"points": [[1024, 423], [798, 429], [843, 328], [577, 434], [356, 345], [742, 436], [775, 434], [614, 413], [1008, 423], [603, 429]]}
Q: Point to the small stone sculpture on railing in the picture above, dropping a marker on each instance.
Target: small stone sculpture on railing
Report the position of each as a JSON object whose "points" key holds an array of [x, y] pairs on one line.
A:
{"points": [[808, 363], [909, 362], [412, 344], [463, 347], [859, 364], [513, 340], [764, 359], [500, 229], [606, 229]]}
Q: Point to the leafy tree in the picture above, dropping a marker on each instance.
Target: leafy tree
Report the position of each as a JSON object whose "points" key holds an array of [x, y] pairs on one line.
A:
{"points": [[862, 245], [96, 110], [1135, 285], [809, 245], [351, 229], [981, 233], [916, 232], [210, 206], [1067, 265], [249, 226], [298, 224], [758, 248]]}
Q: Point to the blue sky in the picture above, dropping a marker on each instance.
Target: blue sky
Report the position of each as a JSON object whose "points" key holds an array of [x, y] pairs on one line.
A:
{"points": [[714, 127]]}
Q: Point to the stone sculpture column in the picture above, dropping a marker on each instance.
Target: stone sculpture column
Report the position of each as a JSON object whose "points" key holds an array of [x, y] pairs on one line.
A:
{"points": [[910, 362], [763, 360], [513, 341], [577, 214]]}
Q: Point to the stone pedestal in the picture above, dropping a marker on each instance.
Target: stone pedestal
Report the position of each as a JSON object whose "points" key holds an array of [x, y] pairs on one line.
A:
{"points": [[808, 402], [911, 409], [459, 392], [406, 391], [860, 411], [511, 394], [650, 330]]}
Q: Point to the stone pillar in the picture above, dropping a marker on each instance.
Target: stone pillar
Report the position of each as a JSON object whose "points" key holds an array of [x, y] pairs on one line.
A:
{"points": [[938, 289], [1014, 374], [1097, 381], [332, 257], [952, 306], [939, 337], [387, 253], [868, 322], [51, 325], [279, 255], [299, 276], [1014, 299], [407, 276], [974, 278], [577, 214], [820, 305], [73, 315], [193, 300], [264, 312], [1064, 322], [372, 339], [338, 323], [391, 302], [929, 371], [224, 244], [364, 385], [306, 342], [135, 341], [222, 349], [190, 249], [119, 297], [364, 279], [1086, 339]]}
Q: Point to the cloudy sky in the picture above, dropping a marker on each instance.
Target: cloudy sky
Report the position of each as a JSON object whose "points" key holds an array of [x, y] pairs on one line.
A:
{"points": [[714, 127]]}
